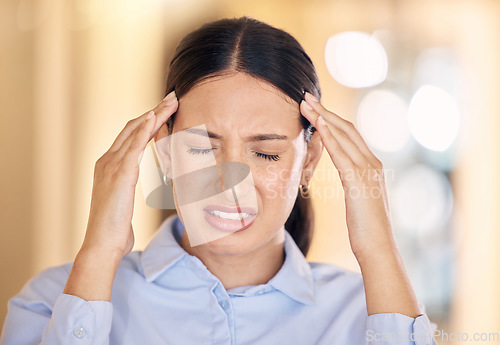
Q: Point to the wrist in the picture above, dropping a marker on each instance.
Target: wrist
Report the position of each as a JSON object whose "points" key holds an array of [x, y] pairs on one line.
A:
{"points": [[388, 288], [107, 260], [378, 253], [99, 254], [92, 275]]}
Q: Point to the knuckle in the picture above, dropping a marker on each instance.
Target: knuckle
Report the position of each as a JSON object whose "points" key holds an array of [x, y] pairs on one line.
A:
{"points": [[375, 167], [352, 127], [343, 135], [348, 124], [103, 169], [101, 162], [108, 169], [131, 122], [378, 170], [134, 146], [350, 166]]}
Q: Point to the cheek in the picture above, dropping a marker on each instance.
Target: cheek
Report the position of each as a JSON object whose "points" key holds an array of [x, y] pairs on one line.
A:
{"points": [[278, 182]]}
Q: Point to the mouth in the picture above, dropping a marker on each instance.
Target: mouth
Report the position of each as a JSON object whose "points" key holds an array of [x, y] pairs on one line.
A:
{"points": [[229, 219]]}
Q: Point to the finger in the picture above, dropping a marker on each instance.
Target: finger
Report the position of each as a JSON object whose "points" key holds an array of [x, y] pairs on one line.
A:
{"points": [[148, 123], [161, 110], [346, 126], [343, 140], [137, 136], [141, 139], [165, 111], [340, 158]]}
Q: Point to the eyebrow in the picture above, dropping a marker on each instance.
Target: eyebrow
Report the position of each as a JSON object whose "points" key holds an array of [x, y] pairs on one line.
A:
{"points": [[257, 137]]}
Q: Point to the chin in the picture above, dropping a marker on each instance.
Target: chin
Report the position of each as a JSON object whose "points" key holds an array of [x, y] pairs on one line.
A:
{"points": [[232, 245]]}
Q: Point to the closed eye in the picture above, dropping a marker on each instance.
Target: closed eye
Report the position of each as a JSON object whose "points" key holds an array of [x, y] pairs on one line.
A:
{"points": [[268, 157], [194, 151]]}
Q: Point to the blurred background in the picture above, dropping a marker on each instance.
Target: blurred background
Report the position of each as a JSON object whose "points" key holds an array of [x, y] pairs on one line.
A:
{"points": [[419, 79]]}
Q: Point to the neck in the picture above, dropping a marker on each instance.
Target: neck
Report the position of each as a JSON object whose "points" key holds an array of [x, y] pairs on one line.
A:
{"points": [[253, 268]]}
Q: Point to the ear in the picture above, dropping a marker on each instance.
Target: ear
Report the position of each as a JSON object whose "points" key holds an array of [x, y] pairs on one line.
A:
{"points": [[161, 142], [313, 155]]}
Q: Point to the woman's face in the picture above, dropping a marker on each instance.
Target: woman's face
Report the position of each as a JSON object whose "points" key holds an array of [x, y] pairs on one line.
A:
{"points": [[239, 119]]}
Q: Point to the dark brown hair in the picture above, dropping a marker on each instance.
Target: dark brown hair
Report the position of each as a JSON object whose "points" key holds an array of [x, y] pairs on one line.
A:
{"points": [[264, 52]]}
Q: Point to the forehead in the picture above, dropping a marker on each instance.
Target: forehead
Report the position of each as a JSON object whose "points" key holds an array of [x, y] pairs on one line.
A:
{"points": [[238, 100]]}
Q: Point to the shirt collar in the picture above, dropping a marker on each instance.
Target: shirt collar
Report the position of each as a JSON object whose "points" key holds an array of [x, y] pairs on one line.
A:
{"points": [[164, 250], [295, 278]]}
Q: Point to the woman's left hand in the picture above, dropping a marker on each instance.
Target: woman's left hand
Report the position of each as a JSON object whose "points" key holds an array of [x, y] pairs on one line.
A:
{"points": [[387, 285], [362, 177]]}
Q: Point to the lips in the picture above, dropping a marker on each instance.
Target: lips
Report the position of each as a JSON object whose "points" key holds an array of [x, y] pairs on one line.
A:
{"points": [[227, 209], [229, 219]]}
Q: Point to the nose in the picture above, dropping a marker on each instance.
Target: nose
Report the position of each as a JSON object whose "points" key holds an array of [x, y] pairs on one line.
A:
{"points": [[234, 174]]}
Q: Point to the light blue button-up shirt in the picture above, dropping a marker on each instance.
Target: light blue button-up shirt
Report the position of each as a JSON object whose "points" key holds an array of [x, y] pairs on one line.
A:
{"points": [[163, 295]]}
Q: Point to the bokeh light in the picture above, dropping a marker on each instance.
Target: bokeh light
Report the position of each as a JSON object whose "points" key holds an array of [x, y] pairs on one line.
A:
{"points": [[382, 120], [356, 59], [433, 117], [422, 200], [438, 66]]}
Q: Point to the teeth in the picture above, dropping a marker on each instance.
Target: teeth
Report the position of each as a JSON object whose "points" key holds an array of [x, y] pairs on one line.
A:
{"points": [[231, 216]]}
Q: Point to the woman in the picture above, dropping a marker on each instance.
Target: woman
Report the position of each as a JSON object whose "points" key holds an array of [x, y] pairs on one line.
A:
{"points": [[238, 136]]}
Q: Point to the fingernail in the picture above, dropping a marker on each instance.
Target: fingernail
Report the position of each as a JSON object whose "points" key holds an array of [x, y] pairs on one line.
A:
{"points": [[306, 105], [170, 98], [150, 115], [311, 97], [320, 121]]}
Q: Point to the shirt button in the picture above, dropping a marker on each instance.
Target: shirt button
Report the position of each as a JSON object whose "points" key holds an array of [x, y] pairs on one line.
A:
{"points": [[79, 332], [224, 304]]}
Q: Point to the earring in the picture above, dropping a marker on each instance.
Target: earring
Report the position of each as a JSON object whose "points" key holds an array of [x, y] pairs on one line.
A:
{"points": [[304, 190], [165, 180]]}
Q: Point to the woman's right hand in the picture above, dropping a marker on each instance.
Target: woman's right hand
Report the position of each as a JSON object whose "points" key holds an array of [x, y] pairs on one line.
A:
{"points": [[109, 236], [115, 178]]}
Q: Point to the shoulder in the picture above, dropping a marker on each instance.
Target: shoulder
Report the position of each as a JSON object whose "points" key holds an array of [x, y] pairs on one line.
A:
{"points": [[50, 279], [42, 290], [334, 276], [327, 271], [340, 291]]}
